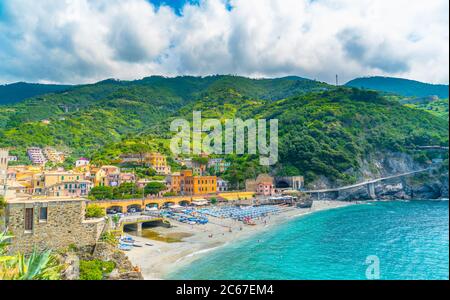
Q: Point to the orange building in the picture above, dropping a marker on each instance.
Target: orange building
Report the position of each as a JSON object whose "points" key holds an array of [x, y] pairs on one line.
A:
{"points": [[186, 183]]}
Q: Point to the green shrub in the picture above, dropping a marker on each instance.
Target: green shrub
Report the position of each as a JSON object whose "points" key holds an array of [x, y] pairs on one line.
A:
{"points": [[94, 211], [95, 269]]}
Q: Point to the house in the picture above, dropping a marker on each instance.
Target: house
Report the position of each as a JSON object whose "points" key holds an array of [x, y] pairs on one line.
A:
{"points": [[60, 184], [53, 155], [81, 162], [36, 156], [158, 162], [51, 223], [127, 178], [186, 183], [262, 185], [107, 176], [222, 185]]}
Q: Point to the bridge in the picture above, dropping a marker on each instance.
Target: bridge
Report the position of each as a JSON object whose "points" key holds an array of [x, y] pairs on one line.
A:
{"points": [[137, 220], [370, 184], [125, 205]]}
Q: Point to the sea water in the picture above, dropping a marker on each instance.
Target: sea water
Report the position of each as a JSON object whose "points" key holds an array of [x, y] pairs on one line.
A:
{"points": [[400, 239]]}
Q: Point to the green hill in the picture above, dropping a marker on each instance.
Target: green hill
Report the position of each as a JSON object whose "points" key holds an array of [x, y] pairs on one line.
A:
{"points": [[400, 86], [16, 92], [324, 130]]}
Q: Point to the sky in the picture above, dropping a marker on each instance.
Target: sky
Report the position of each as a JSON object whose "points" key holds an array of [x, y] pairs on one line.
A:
{"points": [[84, 41]]}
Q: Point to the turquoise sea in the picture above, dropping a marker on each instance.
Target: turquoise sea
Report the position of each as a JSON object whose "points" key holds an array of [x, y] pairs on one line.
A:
{"points": [[409, 240]]}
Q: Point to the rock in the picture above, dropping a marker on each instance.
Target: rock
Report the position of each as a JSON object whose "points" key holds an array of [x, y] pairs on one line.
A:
{"points": [[72, 272]]}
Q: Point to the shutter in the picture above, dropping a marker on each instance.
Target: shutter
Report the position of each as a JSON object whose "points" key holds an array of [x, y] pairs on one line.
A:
{"points": [[28, 219]]}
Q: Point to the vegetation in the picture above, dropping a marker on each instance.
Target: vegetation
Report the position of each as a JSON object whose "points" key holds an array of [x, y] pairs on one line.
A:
{"points": [[94, 211], [154, 188], [400, 86], [36, 266], [95, 269], [323, 130]]}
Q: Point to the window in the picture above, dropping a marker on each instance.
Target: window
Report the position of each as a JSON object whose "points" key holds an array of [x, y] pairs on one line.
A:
{"points": [[43, 214], [28, 219]]}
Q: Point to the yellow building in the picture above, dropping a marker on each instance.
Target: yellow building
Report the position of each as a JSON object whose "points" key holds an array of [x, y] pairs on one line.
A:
{"points": [[53, 155], [186, 183], [107, 176], [60, 184], [158, 162]]}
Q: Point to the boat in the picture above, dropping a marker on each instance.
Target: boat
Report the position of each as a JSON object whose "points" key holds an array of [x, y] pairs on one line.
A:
{"points": [[137, 245], [148, 244], [125, 247]]}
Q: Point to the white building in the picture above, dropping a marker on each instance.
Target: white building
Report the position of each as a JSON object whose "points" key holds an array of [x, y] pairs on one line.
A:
{"points": [[81, 162], [222, 185]]}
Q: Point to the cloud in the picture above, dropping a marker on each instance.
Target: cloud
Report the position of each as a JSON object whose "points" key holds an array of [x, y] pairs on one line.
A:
{"points": [[78, 41]]}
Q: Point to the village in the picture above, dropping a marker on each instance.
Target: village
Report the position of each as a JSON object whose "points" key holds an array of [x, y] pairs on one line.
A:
{"points": [[45, 201]]}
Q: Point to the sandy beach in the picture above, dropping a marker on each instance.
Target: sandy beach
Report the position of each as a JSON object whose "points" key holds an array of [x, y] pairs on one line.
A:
{"points": [[161, 258]]}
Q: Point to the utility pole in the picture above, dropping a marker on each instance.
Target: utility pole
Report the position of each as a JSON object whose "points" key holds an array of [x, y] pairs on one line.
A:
{"points": [[337, 80]]}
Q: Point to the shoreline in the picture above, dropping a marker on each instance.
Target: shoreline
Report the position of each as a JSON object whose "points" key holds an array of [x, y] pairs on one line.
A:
{"points": [[161, 259]]}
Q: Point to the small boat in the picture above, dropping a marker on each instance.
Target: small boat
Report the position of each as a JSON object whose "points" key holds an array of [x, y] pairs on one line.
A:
{"points": [[148, 244], [125, 247], [137, 245]]}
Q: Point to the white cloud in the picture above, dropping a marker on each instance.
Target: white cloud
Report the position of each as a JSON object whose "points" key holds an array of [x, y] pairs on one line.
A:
{"points": [[84, 41]]}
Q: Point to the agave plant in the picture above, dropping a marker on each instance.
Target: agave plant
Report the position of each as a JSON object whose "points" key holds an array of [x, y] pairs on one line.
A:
{"points": [[37, 266]]}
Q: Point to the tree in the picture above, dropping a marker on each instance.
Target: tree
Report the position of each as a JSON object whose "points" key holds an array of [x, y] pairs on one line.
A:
{"points": [[154, 188], [94, 211], [126, 190], [101, 192]]}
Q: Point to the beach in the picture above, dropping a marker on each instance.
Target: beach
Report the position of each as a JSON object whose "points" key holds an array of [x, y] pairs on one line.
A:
{"points": [[162, 258]]}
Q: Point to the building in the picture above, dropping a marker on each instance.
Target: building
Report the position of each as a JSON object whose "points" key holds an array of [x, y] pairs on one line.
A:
{"points": [[3, 170], [222, 185], [53, 155], [185, 183], [50, 224], [219, 165], [107, 176], [36, 156], [60, 184], [127, 178], [81, 162], [262, 185], [158, 162]]}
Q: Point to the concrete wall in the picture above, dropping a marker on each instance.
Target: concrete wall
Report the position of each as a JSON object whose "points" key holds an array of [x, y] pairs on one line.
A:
{"points": [[65, 225]]}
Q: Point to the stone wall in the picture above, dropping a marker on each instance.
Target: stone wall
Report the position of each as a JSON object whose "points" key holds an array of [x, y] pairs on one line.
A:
{"points": [[65, 225]]}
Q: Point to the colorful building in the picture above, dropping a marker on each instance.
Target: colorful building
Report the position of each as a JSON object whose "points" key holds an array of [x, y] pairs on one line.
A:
{"points": [[158, 162], [185, 183], [222, 185], [60, 184], [263, 185], [107, 176], [53, 155], [36, 156]]}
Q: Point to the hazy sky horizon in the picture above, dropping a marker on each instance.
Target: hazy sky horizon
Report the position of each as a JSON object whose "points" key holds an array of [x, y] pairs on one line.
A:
{"points": [[84, 41]]}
